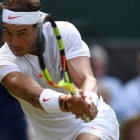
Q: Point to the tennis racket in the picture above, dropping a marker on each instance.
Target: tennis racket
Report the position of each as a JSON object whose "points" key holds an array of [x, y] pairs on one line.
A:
{"points": [[65, 81]]}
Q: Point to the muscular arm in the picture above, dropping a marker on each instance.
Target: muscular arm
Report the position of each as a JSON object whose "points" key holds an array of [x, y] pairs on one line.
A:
{"points": [[23, 87], [81, 74]]}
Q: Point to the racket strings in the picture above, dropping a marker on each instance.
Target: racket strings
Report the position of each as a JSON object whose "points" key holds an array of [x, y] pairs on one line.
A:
{"points": [[64, 81], [61, 48]]}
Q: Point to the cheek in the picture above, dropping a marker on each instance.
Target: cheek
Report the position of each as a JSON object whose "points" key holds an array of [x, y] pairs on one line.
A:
{"points": [[14, 40], [25, 41], [7, 38], [28, 42], [22, 42], [31, 39]]}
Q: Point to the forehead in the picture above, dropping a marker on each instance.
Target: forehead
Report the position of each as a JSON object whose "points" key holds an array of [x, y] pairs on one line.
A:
{"points": [[16, 27]]}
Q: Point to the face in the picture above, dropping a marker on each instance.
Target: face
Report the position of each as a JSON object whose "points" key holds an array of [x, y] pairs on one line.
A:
{"points": [[21, 39]]}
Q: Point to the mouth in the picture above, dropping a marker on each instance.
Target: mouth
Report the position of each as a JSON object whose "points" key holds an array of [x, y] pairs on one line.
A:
{"points": [[15, 50]]}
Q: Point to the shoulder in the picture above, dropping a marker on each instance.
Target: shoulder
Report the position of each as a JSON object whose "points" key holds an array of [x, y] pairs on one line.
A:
{"points": [[4, 48], [5, 52], [60, 24], [65, 28], [7, 58], [65, 25]]}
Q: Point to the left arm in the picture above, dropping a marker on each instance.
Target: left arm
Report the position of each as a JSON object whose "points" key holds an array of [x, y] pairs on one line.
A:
{"points": [[82, 76], [78, 63]]}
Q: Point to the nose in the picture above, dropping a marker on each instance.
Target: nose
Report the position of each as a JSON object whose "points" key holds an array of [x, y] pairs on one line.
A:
{"points": [[14, 41]]}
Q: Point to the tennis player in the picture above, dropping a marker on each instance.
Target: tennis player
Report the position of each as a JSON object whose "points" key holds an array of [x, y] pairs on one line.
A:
{"points": [[21, 75]]}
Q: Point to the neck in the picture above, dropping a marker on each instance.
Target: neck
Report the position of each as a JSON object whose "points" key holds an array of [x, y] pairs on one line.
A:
{"points": [[33, 50]]}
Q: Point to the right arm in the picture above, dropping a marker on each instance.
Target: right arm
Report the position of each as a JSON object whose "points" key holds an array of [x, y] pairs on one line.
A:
{"points": [[23, 87]]}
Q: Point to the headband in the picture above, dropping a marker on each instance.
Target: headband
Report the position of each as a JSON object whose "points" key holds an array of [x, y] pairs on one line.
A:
{"points": [[20, 18]]}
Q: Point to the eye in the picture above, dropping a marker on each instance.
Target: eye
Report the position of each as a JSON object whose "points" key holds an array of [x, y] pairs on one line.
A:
{"points": [[7, 32], [22, 33]]}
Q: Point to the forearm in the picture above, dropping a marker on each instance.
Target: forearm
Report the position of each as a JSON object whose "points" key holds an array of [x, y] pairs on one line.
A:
{"points": [[23, 87], [33, 95], [81, 74], [90, 84]]}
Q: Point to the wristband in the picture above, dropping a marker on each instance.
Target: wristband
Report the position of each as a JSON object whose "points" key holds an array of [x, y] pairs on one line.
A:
{"points": [[62, 103], [92, 96], [49, 100]]}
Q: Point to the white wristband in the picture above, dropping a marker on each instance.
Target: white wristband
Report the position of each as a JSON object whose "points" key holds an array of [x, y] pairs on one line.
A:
{"points": [[49, 99], [92, 96]]}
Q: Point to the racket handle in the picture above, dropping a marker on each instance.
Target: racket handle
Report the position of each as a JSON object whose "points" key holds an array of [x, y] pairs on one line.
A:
{"points": [[76, 93], [83, 117]]}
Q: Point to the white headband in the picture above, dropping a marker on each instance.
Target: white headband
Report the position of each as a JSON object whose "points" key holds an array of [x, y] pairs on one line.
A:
{"points": [[20, 18]]}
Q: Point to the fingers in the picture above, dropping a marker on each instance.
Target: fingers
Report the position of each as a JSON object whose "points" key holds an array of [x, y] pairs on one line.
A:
{"points": [[78, 116], [81, 92], [80, 105], [76, 105], [91, 110]]}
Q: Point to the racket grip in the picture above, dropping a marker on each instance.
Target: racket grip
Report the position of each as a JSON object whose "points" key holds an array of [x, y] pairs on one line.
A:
{"points": [[83, 117], [75, 93]]}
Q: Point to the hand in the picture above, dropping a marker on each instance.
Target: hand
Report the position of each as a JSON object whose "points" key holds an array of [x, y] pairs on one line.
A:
{"points": [[91, 110], [75, 104], [80, 105]]}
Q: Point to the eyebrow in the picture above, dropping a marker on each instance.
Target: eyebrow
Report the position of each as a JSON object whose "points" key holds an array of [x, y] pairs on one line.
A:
{"points": [[22, 30], [5, 28], [18, 30]]}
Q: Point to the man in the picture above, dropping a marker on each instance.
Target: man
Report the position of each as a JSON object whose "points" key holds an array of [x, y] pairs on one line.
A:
{"points": [[20, 74]]}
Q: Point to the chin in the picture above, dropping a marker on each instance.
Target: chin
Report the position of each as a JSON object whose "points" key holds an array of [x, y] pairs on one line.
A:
{"points": [[19, 54]]}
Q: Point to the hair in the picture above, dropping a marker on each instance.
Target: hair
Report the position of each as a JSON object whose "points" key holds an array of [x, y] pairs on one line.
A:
{"points": [[21, 5]]}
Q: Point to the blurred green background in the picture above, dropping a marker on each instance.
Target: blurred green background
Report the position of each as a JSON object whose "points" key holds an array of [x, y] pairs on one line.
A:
{"points": [[112, 24], [100, 18]]}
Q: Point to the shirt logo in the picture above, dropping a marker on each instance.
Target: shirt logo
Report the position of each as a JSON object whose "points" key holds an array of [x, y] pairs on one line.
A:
{"points": [[95, 128], [45, 100], [13, 17]]}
